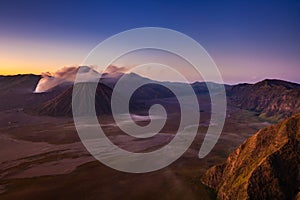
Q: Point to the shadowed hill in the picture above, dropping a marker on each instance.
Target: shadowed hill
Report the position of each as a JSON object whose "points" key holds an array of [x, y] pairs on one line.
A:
{"points": [[17, 92], [273, 99], [23, 83]]}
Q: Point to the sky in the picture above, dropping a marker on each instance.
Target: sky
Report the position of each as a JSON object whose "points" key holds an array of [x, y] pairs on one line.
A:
{"points": [[248, 40]]}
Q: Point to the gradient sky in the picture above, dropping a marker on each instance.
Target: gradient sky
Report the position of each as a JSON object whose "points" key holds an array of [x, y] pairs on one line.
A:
{"points": [[248, 40]]}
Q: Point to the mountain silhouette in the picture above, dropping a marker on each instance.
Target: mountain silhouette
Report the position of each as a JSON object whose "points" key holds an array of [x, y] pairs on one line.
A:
{"points": [[272, 99]]}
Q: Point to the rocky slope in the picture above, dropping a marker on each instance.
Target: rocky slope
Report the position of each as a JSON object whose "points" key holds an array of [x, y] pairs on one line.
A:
{"points": [[265, 166], [273, 99]]}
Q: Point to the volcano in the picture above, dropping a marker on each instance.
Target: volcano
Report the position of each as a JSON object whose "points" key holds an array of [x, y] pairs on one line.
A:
{"points": [[62, 104]]}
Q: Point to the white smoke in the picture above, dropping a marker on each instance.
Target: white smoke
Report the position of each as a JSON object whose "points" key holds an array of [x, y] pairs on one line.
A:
{"points": [[67, 75]]}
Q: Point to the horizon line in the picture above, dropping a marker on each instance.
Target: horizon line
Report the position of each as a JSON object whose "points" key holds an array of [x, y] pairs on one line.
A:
{"points": [[230, 84]]}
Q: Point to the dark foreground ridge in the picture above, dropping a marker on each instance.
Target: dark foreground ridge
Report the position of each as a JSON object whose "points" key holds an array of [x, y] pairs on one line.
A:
{"points": [[265, 166]]}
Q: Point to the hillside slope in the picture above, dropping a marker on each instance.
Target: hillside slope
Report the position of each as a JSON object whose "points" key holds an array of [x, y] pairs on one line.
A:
{"points": [[273, 99], [18, 92], [265, 166]]}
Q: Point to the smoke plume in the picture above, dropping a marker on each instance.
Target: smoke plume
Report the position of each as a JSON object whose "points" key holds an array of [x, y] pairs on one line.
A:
{"points": [[67, 75], [114, 69]]}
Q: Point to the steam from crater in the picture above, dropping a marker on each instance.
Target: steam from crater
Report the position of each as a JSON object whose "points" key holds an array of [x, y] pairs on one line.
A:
{"points": [[67, 75], [114, 69]]}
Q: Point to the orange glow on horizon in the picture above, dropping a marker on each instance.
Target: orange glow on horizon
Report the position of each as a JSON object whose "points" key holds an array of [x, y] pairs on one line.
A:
{"points": [[28, 69], [33, 56]]}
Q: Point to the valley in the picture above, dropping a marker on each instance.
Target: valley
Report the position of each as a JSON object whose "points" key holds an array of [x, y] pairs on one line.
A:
{"points": [[42, 156]]}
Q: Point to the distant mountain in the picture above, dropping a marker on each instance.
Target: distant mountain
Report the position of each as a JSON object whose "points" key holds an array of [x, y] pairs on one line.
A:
{"points": [[265, 166], [273, 99], [156, 89], [149, 90], [18, 83], [145, 92], [149, 93]]}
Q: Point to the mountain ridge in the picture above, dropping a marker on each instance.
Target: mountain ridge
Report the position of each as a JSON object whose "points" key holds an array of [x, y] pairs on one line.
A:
{"points": [[265, 166], [273, 99]]}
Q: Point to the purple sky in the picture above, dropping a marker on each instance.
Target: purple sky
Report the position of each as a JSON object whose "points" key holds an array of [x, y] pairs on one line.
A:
{"points": [[248, 40]]}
